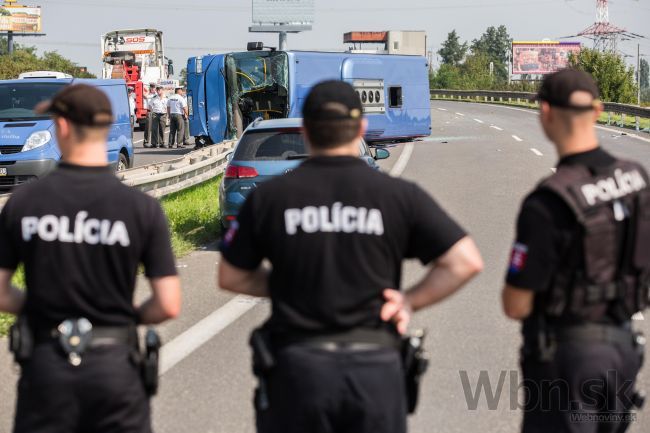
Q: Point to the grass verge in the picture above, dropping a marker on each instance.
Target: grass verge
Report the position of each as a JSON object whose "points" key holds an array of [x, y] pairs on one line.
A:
{"points": [[193, 216]]}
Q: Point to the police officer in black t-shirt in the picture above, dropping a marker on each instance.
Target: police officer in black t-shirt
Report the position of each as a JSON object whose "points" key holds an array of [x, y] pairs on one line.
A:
{"points": [[335, 233], [578, 271], [81, 235]]}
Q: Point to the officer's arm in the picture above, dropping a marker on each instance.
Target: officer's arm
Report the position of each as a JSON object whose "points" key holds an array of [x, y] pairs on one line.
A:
{"points": [[447, 274], [517, 302], [11, 299], [245, 282], [164, 303]]}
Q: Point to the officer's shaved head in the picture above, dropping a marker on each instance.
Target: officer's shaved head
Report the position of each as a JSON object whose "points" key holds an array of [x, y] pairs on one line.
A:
{"points": [[332, 115]]}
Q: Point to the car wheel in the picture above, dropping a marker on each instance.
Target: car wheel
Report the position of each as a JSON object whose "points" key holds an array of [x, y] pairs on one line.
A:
{"points": [[122, 163]]}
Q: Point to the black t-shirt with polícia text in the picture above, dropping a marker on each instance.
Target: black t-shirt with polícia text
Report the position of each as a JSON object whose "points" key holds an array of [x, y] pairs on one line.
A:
{"points": [[81, 235], [335, 232], [546, 229]]}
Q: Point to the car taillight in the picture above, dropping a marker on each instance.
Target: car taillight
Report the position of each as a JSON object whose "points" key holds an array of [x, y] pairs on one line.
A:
{"points": [[239, 172]]}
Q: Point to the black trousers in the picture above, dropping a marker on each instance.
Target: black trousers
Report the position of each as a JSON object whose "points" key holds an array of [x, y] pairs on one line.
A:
{"points": [[176, 130], [316, 391], [586, 389], [103, 395], [158, 129]]}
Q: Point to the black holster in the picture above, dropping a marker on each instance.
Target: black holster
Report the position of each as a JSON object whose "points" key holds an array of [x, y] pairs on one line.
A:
{"points": [[415, 363], [21, 340], [150, 362], [263, 363]]}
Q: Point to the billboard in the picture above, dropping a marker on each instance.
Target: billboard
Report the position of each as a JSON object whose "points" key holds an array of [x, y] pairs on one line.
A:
{"points": [[283, 11], [20, 19], [541, 57]]}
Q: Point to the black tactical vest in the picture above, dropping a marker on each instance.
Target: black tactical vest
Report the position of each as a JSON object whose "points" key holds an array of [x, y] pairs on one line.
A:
{"points": [[607, 268]]}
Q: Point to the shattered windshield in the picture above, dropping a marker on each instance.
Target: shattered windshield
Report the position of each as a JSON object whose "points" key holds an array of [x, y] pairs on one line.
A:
{"points": [[257, 86]]}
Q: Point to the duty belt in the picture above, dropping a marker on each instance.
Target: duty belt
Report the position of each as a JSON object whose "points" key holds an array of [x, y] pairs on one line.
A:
{"points": [[596, 333], [101, 335]]}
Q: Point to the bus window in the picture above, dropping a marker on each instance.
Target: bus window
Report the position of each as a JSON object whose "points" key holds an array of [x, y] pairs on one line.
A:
{"points": [[395, 94]]}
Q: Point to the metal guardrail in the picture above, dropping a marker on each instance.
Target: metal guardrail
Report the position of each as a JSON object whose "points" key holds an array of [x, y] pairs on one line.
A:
{"points": [[501, 96], [167, 177]]}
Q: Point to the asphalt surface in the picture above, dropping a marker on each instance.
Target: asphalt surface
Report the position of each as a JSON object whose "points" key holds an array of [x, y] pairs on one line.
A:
{"points": [[479, 172], [144, 156]]}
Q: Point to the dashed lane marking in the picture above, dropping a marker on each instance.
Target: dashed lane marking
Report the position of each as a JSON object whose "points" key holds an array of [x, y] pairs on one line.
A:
{"points": [[442, 109], [602, 128], [517, 138], [460, 114], [536, 152], [479, 120], [496, 127]]}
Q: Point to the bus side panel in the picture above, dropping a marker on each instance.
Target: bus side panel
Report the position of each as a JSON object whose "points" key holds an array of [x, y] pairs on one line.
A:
{"points": [[196, 97], [215, 94], [368, 68], [411, 118], [307, 70], [414, 117]]}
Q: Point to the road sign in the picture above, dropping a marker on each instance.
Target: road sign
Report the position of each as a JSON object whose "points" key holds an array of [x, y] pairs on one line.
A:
{"points": [[283, 12]]}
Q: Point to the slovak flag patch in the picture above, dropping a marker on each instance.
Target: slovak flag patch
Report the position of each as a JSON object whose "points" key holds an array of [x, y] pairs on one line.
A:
{"points": [[518, 258], [230, 234]]}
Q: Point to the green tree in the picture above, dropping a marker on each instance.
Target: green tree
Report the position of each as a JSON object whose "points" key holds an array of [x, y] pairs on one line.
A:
{"points": [[446, 77], [452, 51], [475, 73], [182, 77], [495, 44], [615, 79], [645, 74]]}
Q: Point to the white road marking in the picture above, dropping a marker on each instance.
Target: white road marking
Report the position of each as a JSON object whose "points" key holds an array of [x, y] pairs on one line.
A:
{"points": [[554, 170], [517, 138], [460, 114], [536, 152], [603, 128], [139, 141], [479, 120], [496, 127], [183, 345], [403, 160], [442, 109], [638, 316]]}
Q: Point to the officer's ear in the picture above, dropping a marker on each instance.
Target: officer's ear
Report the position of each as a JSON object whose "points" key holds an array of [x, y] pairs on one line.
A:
{"points": [[63, 126], [545, 111], [364, 127]]}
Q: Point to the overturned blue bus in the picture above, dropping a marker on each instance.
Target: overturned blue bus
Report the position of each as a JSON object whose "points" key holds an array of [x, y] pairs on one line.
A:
{"points": [[226, 92]]}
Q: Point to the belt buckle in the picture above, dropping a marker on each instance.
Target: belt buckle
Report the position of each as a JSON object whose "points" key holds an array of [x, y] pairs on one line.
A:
{"points": [[74, 337]]}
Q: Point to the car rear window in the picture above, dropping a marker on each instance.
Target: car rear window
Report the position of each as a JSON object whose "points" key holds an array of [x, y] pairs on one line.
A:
{"points": [[270, 145]]}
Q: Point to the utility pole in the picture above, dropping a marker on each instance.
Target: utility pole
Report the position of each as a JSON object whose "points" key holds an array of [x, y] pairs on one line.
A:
{"points": [[638, 74]]}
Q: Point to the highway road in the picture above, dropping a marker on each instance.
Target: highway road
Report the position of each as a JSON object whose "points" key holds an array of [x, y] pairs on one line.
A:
{"points": [[144, 156], [480, 161]]}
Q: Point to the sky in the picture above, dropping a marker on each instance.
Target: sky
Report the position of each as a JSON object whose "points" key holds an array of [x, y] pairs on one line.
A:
{"points": [[198, 27]]}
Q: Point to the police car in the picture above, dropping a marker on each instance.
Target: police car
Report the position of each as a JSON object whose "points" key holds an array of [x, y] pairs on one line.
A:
{"points": [[269, 148]]}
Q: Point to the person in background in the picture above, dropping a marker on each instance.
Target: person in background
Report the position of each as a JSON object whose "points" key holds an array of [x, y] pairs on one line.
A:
{"points": [[177, 111], [146, 104], [132, 105], [158, 106], [186, 136]]}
